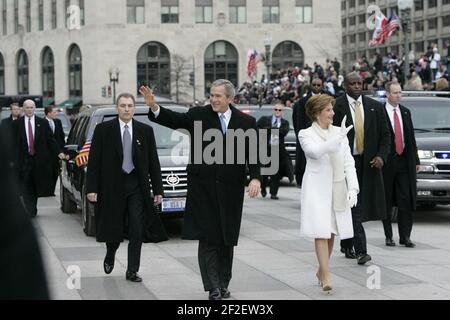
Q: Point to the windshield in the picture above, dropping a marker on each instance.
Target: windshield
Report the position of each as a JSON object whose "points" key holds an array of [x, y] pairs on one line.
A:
{"points": [[166, 138], [258, 113], [429, 114]]}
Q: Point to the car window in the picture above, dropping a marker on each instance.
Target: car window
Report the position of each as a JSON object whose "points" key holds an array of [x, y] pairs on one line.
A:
{"points": [[166, 138], [258, 113], [429, 114]]}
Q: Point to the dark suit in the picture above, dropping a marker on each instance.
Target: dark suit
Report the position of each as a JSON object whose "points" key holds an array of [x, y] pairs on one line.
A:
{"points": [[215, 192], [265, 122], [59, 136], [22, 275], [35, 172], [301, 121], [124, 200], [8, 121], [399, 175], [376, 143]]}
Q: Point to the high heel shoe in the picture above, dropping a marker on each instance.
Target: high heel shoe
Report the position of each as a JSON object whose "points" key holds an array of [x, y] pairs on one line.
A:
{"points": [[327, 288], [319, 281]]}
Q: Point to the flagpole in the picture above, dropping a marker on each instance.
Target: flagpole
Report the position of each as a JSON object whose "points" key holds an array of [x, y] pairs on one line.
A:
{"points": [[405, 9]]}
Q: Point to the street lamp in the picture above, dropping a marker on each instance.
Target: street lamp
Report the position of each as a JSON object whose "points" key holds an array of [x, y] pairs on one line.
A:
{"points": [[267, 45], [405, 7], [114, 78]]}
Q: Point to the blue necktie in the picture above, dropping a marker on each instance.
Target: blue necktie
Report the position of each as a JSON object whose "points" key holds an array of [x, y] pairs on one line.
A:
{"points": [[223, 124]]}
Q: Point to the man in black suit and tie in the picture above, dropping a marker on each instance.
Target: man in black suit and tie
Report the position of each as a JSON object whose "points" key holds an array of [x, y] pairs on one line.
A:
{"points": [[22, 275], [403, 163], [369, 143], [36, 151], [15, 114], [268, 123], [122, 158], [58, 133], [215, 190], [302, 121]]}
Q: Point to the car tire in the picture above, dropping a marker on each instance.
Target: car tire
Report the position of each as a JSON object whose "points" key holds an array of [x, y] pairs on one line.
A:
{"points": [[87, 215], [67, 204]]}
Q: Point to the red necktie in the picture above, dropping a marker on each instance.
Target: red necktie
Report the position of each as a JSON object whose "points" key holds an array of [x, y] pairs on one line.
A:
{"points": [[31, 150], [398, 134]]}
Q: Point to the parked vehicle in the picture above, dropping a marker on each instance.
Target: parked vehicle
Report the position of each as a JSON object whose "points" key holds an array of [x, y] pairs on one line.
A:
{"points": [[173, 152]]}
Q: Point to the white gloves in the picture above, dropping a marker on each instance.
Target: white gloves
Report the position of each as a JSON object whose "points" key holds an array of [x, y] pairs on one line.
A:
{"points": [[344, 130], [352, 198]]}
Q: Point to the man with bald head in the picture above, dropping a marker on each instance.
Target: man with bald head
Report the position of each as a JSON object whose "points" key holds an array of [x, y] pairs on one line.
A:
{"points": [[36, 150], [370, 145]]}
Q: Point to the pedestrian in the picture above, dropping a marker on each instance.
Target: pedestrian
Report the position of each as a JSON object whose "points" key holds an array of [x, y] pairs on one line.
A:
{"points": [[22, 275], [36, 151], [58, 133], [122, 159], [215, 191], [15, 114], [269, 123], [330, 185], [369, 143], [399, 172]]}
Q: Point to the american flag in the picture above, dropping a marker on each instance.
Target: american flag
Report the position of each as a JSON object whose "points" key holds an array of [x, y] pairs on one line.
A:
{"points": [[384, 29], [253, 59], [82, 158]]}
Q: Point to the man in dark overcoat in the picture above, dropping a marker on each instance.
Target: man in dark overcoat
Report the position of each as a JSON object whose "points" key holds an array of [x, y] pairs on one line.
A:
{"points": [[215, 190], [369, 143], [122, 159], [268, 123], [403, 163], [35, 152], [302, 121]]}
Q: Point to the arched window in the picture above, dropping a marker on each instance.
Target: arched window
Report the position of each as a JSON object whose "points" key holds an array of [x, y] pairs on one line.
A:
{"points": [[153, 68], [48, 73], [75, 72], [287, 54], [2, 75], [221, 62], [22, 72]]}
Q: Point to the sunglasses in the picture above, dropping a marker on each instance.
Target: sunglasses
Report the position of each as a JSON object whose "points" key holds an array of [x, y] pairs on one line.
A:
{"points": [[316, 85], [277, 110]]}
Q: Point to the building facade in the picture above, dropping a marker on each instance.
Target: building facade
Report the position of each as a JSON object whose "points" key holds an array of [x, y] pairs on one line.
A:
{"points": [[72, 49], [430, 24]]}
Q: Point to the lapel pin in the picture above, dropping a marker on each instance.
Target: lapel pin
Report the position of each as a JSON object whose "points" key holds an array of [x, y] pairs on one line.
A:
{"points": [[138, 142], [372, 109]]}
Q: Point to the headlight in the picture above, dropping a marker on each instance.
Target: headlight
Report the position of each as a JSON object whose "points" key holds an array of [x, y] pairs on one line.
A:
{"points": [[425, 154], [426, 169]]}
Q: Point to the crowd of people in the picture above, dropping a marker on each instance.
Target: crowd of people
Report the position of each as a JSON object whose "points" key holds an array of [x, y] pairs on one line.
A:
{"points": [[428, 72]]}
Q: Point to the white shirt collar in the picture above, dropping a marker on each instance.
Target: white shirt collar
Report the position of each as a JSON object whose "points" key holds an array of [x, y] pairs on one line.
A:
{"points": [[352, 101], [391, 107], [227, 114], [123, 124]]}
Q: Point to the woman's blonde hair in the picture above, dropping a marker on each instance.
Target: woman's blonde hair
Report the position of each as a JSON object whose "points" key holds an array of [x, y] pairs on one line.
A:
{"points": [[316, 104], [441, 84]]}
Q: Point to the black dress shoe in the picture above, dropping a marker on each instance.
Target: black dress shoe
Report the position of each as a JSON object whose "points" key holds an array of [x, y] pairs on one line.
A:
{"points": [[108, 264], [225, 293], [214, 294], [408, 243], [274, 197], [389, 242], [349, 253], [133, 276], [263, 193], [363, 258]]}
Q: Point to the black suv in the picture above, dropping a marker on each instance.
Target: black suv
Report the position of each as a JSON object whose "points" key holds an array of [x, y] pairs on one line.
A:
{"points": [[431, 120], [173, 152]]}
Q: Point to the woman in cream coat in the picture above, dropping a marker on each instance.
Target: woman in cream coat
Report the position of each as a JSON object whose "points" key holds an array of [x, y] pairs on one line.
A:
{"points": [[330, 186]]}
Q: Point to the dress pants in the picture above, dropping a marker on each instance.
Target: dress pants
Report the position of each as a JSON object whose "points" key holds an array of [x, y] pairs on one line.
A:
{"points": [[273, 182], [358, 241], [216, 262], [28, 188], [401, 198], [135, 217]]}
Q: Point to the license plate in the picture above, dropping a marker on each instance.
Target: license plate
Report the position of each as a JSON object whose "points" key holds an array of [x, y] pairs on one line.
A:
{"points": [[173, 204]]}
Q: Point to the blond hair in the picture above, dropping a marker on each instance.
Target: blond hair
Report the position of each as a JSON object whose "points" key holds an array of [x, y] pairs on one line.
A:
{"points": [[317, 104]]}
